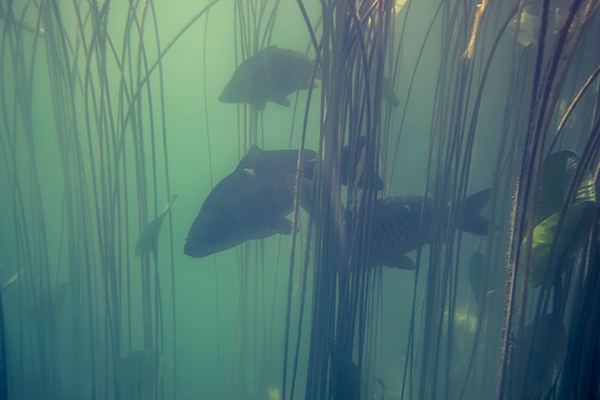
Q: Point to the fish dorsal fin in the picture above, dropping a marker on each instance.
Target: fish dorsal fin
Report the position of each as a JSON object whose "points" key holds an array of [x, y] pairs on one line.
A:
{"points": [[268, 49], [250, 157], [283, 160], [286, 52]]}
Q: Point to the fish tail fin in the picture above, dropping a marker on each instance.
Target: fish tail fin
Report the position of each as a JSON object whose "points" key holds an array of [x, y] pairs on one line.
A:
{"points": [[472, 221]]}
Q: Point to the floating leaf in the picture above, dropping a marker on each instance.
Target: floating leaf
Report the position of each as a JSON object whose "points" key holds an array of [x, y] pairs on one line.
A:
{"points": [[559, 171], [476, 263], [138, 373], [576, 226], [548, 352], [149, 236]]}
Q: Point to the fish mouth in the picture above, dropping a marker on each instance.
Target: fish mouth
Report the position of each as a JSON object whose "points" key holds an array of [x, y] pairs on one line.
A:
{"points": [[191, 251], [225, 99]]}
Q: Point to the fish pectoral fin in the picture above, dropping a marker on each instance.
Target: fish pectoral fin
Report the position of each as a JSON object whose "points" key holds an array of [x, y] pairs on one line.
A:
{"points": [[400, 262], [283, 226], [265, 233], [259, 105], [282, 101]]}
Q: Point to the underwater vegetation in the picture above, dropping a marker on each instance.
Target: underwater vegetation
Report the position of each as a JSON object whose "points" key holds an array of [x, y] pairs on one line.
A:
{"points": [[109, 108], [547, 355], [564, 244], [138, 373], [148, 240]]}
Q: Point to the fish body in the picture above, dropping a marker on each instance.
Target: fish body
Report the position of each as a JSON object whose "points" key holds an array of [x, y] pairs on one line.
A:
{"points": [[270, 75], [346, 375], [250, 203], [398, 228], [403, 223]]}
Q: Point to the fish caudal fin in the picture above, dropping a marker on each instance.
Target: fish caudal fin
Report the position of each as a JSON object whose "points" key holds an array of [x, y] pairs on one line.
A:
{"points": [[472, 221]]}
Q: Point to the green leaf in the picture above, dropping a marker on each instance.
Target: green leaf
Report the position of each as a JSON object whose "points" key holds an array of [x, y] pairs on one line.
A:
{"points": [[138, 373], [576, 227], [559, 171], [149, 237]]}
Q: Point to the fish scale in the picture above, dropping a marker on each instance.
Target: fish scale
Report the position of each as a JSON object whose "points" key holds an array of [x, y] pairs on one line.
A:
{"points": [[270, 75], [403, 223], [398, 217]]}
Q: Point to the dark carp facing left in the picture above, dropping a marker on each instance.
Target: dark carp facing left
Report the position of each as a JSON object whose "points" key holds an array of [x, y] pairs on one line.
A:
{"points": [[270, 75], [250, 203]]}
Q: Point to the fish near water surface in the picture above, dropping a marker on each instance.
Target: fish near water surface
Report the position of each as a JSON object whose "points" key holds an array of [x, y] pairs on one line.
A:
{"points": [[250, 203], [270, 75]]}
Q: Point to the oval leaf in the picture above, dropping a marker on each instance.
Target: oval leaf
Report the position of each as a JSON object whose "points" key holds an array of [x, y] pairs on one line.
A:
{"points": [[576, 227], [558, 173]]}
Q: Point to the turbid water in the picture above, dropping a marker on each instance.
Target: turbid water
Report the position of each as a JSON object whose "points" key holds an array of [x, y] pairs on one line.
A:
{"points": [[112, 136]]}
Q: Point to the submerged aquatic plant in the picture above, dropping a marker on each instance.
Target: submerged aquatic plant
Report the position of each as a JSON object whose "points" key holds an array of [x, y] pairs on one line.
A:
{"points": [[138, 374], [108, 122], [558, 238], [148, 240]]}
